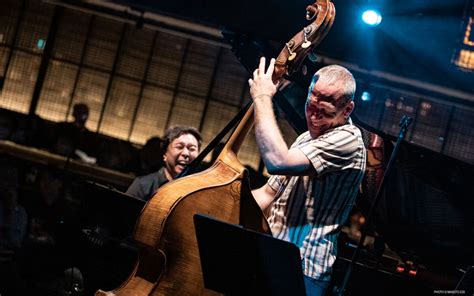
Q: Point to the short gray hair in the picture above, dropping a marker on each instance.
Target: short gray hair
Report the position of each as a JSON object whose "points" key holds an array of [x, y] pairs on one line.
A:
{"points": [[333, 74]]}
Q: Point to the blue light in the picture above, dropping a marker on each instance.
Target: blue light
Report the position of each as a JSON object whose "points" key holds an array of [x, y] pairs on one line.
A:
{"points": [[372, 17], [40, 44], [365, 96]]}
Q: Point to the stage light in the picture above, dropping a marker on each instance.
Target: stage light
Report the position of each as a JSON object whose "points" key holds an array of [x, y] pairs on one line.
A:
{"points": [[372, 17], [365, 96]]}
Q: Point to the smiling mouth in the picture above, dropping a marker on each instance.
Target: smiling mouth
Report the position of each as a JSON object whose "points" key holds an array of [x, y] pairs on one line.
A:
{"points": [[317, 125]]}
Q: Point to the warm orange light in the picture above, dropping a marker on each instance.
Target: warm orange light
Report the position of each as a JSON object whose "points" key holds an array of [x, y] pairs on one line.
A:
{"points": [[465, 59], [467, 35]]}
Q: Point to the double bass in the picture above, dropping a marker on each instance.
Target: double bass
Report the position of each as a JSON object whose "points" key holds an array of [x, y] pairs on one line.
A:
{"points": [[168, 260]]}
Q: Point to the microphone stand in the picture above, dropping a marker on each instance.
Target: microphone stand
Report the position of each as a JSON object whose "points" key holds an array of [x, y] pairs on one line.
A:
{"points": [[405, 121]]}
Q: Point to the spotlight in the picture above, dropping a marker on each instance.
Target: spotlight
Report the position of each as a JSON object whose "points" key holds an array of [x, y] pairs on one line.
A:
{"points": [[365, 96], [372, 17]]}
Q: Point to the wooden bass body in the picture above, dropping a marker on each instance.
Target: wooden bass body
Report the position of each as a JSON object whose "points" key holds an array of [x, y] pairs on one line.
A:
{"points": [[169, 261]]}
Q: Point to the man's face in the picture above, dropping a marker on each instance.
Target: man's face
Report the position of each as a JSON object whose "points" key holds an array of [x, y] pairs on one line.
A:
{"points": [[81, 117], [180, 152], [326, 108]]}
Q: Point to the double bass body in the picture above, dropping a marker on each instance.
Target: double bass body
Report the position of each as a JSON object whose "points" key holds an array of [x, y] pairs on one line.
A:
{"points": [[169, 261]]}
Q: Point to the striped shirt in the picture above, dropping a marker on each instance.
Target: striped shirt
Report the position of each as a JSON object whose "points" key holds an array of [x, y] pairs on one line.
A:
{"points": [[310, 210]]}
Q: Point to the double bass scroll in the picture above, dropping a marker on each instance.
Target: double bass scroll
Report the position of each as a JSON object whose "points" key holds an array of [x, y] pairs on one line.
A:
{"points": [[322, 14]]}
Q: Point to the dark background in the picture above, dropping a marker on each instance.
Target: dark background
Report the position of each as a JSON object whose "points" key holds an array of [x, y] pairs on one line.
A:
{"points": [[416, 39]]}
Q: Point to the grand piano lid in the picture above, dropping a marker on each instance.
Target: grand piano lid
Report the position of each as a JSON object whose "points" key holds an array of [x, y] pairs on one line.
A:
{"points": [[425, 212]]}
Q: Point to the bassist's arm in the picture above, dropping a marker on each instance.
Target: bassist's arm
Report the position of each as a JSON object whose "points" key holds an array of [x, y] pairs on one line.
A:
{"points": [[264, 196]]}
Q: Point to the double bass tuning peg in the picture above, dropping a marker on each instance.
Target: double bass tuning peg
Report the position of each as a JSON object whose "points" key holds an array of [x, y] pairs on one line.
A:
{"points": [[312, 11], [289, 45], [306, 44], [306, 31]]}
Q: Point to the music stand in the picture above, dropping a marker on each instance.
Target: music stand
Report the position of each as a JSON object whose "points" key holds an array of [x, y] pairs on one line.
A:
{"points": [[238, 261], [110, 209]]}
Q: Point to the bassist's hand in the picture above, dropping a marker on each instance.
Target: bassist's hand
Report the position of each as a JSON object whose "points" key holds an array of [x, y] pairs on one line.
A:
{"points": [[262, 84]]}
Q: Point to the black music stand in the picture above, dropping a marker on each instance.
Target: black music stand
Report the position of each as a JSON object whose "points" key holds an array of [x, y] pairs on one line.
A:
{"points": [[238, 261]]}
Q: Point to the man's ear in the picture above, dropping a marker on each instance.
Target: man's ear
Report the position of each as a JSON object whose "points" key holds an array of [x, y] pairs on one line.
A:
{"points": [[348, 109]]}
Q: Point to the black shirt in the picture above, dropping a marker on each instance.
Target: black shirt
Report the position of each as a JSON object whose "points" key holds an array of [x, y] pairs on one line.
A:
{"points": [[144, 187]]}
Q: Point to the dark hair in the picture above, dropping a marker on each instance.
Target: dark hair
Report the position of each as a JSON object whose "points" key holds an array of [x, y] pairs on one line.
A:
{"points": [[177, 131], [80, 108]]}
